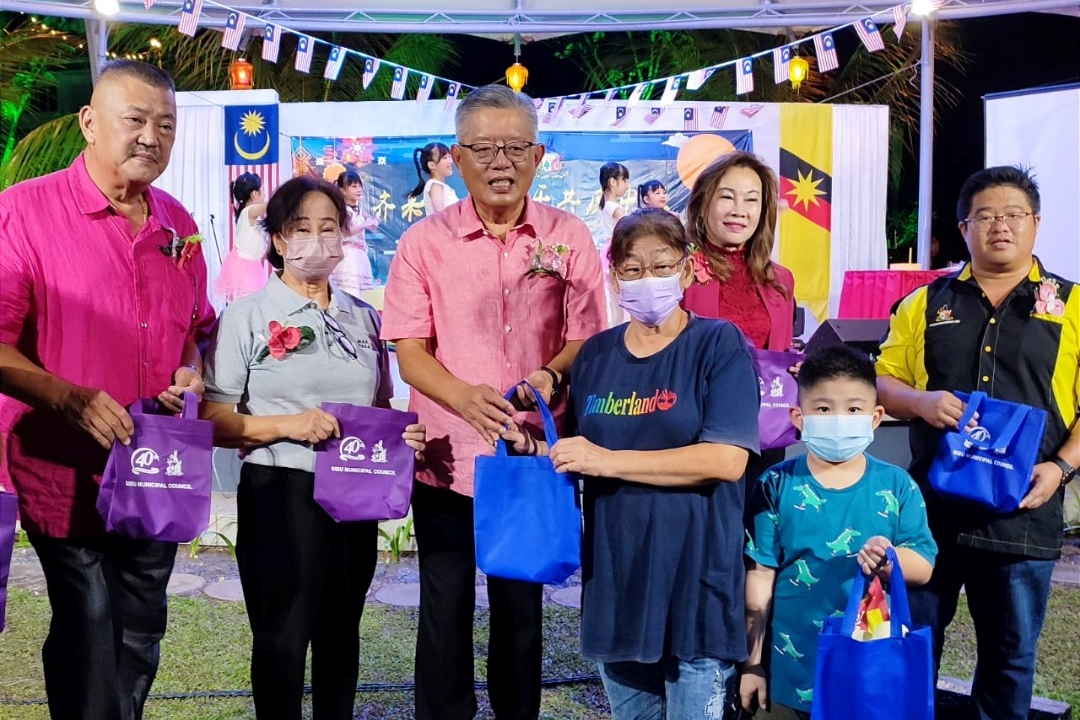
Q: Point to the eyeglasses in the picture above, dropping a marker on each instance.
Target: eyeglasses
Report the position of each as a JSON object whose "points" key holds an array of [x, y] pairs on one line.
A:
{"points": [[485, 153], [339, 334], [662, 269], [1014, 221]]}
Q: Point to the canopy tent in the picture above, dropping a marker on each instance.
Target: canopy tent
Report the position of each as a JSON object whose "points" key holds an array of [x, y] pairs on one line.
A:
{"points": [[534, 17]]}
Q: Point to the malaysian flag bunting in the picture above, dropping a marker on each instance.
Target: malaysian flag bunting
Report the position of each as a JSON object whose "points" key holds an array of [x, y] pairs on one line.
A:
{"points": [[148, 4], [689, 119], [234, 30], [371, 66], [401, 76], [826, 52], [334, 62], [744, 77], [751, 110], [781, 70], [305, 50], [718, 117], [189, 17], [620, 116], [698, 77], [553, 108], [271, 43], [579, 110], [423, 92], [671, 89], [451, 97], [899, 13], [607, 98], [654, 115], [868, 33], [635, 95]]}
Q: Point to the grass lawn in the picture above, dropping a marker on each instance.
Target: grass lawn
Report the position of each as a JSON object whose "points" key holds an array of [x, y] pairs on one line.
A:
{"points": [[208, 641]]}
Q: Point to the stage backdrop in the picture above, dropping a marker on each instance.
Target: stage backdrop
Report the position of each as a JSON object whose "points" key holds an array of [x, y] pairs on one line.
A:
{"points": [[831, 159]]}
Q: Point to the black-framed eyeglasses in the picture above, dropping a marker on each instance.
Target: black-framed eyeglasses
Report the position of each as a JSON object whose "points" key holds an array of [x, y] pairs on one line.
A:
{"points": [[485, 153], [1014, 221], [339, 334]]}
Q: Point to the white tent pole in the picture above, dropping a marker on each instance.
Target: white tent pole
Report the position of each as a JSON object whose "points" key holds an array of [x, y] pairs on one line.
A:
{"points": [[926, 141], [97, 44]]}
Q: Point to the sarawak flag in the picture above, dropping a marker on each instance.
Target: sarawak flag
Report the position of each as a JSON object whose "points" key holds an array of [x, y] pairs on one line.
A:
{"points": [[806, 138]]}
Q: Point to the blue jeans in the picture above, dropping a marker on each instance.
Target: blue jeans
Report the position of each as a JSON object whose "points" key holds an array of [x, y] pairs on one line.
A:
{"points": [[671, 689], [1007, 597]]}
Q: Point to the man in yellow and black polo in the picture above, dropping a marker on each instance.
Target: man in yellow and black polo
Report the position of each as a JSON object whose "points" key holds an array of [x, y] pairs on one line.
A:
{"points": [[1005, 326]]}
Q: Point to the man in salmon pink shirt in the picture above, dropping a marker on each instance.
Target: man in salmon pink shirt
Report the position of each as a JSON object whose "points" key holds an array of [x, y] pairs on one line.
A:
{"points": [[97, 309], [492, 290]]}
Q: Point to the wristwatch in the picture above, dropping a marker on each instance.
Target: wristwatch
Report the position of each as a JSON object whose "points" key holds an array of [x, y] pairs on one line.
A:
{"points": [[1068, 472]]}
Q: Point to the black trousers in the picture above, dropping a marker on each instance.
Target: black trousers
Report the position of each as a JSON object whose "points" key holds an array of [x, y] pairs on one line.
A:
{"points": [[305, 578], [443, 521], [108, 617]]}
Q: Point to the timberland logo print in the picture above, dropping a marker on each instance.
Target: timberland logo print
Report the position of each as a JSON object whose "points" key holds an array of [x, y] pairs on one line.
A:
{"points": [[944, 316], [661, 400]]}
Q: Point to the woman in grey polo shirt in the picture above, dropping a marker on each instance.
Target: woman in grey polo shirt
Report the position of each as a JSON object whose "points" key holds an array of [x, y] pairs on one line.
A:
{"points": [[276, 356]]}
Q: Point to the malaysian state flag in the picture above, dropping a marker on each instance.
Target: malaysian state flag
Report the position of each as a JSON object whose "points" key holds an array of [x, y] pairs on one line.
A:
{"points": [[305, 50], [334, 63], [826, 52], [654, 115], [899, 13], [781, 68], [744, 77], [718, 117], [401, 76], [451, 97], [189, 17], [868, 33], [271, 43], [234, 30], [689, 119]]}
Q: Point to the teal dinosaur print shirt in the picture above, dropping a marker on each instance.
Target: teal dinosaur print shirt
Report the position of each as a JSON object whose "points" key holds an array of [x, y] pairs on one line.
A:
{"points": [[811, 535]]}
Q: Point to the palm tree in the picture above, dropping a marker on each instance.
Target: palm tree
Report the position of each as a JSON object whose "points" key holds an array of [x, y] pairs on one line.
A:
{"points": [[200, 63]]}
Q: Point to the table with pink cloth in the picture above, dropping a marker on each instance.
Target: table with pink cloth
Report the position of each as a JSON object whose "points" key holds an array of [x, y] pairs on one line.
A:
{"points": [[870, 294]]}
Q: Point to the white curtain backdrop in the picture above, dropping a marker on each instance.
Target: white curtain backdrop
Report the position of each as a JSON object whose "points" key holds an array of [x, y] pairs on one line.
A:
{"points": [[860, 179]]}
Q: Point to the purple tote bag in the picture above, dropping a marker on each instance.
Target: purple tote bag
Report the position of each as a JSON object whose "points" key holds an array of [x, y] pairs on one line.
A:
{"points": [[779, 393], [158, 487], [9, 506], [367, 473]]}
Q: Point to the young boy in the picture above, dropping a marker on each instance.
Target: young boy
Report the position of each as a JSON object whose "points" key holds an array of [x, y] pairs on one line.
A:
{"points": [[809, 518]]}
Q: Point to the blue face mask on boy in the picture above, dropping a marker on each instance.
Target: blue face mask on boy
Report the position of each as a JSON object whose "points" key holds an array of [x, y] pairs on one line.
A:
{"points": [[837, 438]]}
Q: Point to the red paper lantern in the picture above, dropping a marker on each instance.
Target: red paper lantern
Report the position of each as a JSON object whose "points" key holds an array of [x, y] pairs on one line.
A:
{"points": [[241, 75]]}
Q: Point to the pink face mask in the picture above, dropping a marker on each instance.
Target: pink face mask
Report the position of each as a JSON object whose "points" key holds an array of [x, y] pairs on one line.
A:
{"points": [[312, 259]]}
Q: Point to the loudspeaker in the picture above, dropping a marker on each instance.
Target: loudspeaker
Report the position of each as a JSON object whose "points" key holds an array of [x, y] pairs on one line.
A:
{"points": [[863, 335]]}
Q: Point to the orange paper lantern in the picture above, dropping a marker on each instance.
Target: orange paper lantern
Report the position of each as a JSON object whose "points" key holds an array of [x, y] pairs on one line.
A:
{"points": [[241, 75]]}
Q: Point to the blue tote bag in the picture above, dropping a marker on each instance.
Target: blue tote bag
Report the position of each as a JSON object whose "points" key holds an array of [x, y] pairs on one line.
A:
{"points": [[990, 464], [892, 677], [526, 516]]}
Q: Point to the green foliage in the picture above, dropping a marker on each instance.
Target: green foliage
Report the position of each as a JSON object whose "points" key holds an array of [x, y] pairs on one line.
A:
{"points": [[195, 546], [45, 149], [399, 540], [902, 228]]}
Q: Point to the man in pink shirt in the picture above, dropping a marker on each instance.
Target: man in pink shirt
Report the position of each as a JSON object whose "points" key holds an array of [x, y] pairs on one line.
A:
{"points": [[96, 310], [494, 289]]}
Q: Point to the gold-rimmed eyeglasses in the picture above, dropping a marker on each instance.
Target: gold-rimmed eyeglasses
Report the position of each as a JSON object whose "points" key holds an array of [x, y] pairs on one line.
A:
{"points": [[485, 153], [662, 269], [1014, 221]]}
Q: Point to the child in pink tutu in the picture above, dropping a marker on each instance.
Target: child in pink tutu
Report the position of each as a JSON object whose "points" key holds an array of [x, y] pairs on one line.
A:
{"points": [[245, 269], [353, 273]]}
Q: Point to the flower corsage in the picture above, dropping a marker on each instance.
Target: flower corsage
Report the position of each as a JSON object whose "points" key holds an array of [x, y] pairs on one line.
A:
{"points": [[284, 340], [550, 260], [702, 271], [1047, 301], [182, 249]]}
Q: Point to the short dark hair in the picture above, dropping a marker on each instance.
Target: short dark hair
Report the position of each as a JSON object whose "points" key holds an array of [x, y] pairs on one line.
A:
{"points": [[152, 75], [608, 172], [349, 177], [641, 223], [285, 204], [647, 187], [1015, 176], [836, 362]]}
